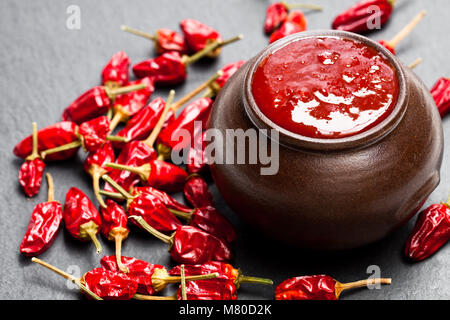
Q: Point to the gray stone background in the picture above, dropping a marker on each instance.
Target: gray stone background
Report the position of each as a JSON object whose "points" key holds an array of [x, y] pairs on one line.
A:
{"points": [[44, 66]]}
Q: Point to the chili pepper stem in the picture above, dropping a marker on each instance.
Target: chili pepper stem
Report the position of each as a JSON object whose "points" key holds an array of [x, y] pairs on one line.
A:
{"points": [[116, 186], [176, 279], [34, 151], [164, 152], [209, 93], [109, 114], [183, 215], [358, 284], [196, 91], [116, 119], [161, 236], [118, 242], [406, 30], [290, 6], [183, 284], [415, 63], [90, 230], [162, 119], [143, 171], [114, 92], [68, 146], [138, 32], [209, 48], [247, 279], [117, 138], [67, 276], [146, 297], [96, 173], [109, 194], [51, 188]]}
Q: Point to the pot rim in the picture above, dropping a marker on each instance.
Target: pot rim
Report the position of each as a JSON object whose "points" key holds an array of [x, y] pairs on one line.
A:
{"points": [[296, 141]]}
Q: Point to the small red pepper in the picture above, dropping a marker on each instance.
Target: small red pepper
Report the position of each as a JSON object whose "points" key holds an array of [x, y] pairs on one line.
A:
{"points": [[225, 271], [196, 192], [276, 14], [55, 135], [30, 172], [441, 95], [198, 35], [227, 71], [151, 278], [295, 22], [197, 110], [319, 287], [391, 44], [95, 102], [114, 227], [165, 39], [81, 217], [128, 104], [116, 71], [431, 232], [110, 285], [170, 67], [43, 226], [94, 165], [190, 245], [215, 289], [197, 161], [364, 15]]}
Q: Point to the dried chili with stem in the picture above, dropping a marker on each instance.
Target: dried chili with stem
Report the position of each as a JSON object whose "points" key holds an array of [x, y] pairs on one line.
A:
{"points": [[30, 172], [44, 224], [441, 95], [198, 35], [391, 44], [116, 73], [164, 39], [227, 71], [68, 277]]}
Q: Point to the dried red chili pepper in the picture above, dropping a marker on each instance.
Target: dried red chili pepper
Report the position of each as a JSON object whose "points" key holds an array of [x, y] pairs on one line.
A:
{"points": [[94, 165], [165, 40], [210, 220], [295, 22], [151, 278], [215, 289], [81, 217], [276, 14], [170, 67], [196, 192], [30, 172], [190, 245], [391, 44], [55, 135], [95, 102], [110, 285], [364, 16], [149, 208], [225, 271], [227, 71], [116, 71], [319, 287], [128, 104], [197, 110], [114, 227], [43, 226], [441, 95], [76, 281], [431, 232], [198, 35], [197, 161]]}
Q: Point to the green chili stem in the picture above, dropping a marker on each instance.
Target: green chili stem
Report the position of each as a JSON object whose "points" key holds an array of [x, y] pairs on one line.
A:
{"points": [[96, 174], [183, 284], [161, 236], [180, 214], [339, 287], [116, 186], [34, 151], [117, 138], [109, 194], [68, 146], [114, 92], [407, 29], [51, 188], [209, 48], [247, 279], [146, 297], [162, 119], [176, 279], [138, 32]]}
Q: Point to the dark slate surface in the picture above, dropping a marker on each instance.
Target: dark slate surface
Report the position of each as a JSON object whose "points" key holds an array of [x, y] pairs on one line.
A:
{"points": [[44, 66]]}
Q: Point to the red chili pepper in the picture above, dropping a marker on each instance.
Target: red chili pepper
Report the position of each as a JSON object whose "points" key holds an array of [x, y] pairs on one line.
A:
{"points": [[215, 289], [227, 71], [226, 272], [295, 22], [168, 201], [95, 102], [198, 35], [81, 217], [190, 245], [431, 232], [165, 39], [128, 104], [364, 16], [94, 165], [277, 13], [55, 135], [110, 285], [196, 192], [441, 95], [151, 278], [197, 161], [114, 227], [43, 226], [116, 73], [391, 44], [319, 287], [197, 110], [170, 67], [30, 172]]}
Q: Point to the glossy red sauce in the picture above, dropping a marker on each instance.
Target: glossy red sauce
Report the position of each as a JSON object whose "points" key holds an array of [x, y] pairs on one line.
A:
{"points": [[325, 87]]}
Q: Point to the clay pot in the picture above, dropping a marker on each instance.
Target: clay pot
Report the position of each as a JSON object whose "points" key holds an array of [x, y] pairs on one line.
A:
{"points": [[333, 193]]}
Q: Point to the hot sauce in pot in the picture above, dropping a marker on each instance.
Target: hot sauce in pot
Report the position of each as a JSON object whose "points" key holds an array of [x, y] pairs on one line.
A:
{"points": [[325, 87]]}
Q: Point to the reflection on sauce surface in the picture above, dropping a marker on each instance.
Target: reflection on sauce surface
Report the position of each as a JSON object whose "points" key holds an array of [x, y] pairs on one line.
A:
{"points": [[325, 87]]}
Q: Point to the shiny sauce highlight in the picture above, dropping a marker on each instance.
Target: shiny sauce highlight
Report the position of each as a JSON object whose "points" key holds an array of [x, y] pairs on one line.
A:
{"points": [[325, 87]]}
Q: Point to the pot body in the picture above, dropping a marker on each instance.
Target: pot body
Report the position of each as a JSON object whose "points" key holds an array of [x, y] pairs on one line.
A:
{"points": [[341, 194]]}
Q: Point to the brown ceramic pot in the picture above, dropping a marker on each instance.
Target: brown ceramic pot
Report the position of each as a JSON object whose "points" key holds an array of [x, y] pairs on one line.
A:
{"points": [[333, 193]]}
